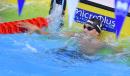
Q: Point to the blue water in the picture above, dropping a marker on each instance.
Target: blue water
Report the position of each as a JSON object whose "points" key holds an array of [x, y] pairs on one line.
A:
{"points": [[36, 55]]}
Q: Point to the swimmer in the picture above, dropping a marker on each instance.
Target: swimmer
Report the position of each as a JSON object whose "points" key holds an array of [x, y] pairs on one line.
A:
{"points": [[88, 39]]}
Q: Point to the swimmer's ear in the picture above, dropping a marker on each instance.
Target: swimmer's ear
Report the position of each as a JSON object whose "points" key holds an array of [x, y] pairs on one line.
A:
{"points": [[96, 32]]}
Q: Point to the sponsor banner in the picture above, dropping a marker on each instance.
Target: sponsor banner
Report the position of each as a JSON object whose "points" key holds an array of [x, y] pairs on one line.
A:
{"points": [[81, 16]]}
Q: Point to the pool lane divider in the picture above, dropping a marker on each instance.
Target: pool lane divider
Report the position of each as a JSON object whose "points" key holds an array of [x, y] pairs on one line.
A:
{"points": [[13, 28]]}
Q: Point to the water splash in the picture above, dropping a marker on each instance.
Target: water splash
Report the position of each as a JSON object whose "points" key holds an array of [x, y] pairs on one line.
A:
{"points": [[72, 5], [55, 18]]}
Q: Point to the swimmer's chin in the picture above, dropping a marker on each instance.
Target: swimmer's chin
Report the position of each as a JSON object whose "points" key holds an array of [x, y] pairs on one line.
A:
{"points": [[89, 35]]}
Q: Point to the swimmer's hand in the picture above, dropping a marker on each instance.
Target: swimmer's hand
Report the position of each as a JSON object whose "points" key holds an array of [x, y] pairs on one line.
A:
{"points": [[31, 28]]}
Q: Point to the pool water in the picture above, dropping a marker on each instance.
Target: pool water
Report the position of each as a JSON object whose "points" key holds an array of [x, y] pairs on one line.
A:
{"points": [[38, 55]]}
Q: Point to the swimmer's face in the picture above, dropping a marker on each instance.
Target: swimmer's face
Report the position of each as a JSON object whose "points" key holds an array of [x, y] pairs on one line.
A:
{"points": [[88, 29]]}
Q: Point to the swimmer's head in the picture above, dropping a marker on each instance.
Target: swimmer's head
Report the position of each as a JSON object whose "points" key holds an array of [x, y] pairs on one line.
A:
{"points": [[93, 26]]}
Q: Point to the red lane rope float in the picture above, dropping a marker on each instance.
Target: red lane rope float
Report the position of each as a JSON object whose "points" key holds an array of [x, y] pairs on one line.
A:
{"points": [[12, 27]]}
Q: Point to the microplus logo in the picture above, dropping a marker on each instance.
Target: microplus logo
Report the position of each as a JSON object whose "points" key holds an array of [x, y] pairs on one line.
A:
{"points": [[82, 16]]}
